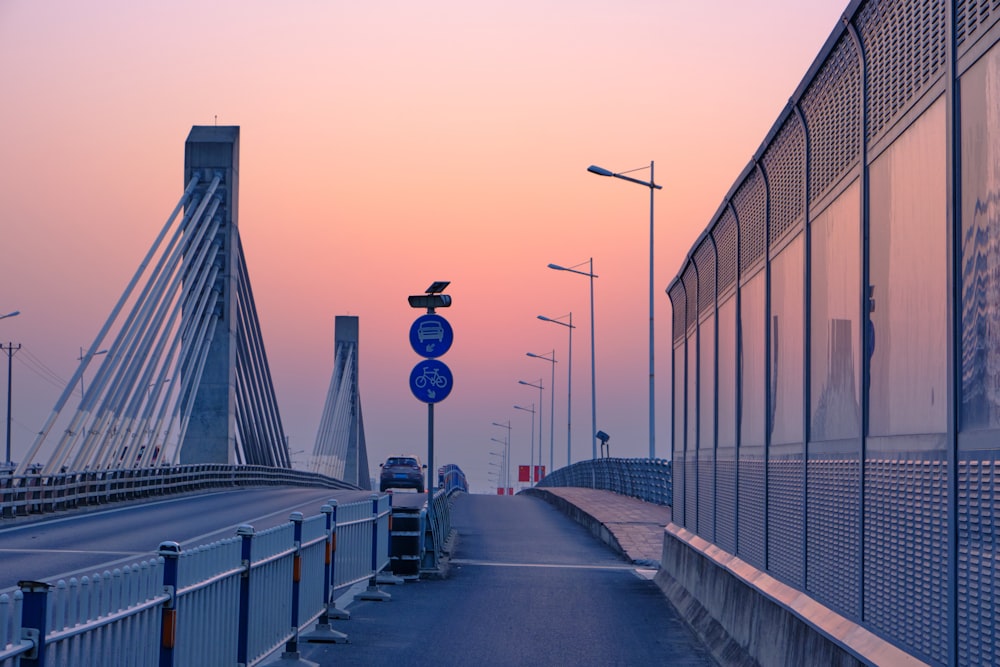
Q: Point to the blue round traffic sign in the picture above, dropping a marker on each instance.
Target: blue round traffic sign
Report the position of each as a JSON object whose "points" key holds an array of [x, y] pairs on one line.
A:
{"points": [[431, 381], [431, 336]]}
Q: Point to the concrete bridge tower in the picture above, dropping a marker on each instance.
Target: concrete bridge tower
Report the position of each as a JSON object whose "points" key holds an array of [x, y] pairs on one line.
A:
{"points": [[211, 432]]}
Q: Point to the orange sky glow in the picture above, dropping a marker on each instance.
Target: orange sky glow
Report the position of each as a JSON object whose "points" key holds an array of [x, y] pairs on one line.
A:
{"points": [[386, 145]]}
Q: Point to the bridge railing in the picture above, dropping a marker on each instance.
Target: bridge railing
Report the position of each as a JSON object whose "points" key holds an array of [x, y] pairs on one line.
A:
{"points": [[178, 608], [646, 479], [35, 493]]}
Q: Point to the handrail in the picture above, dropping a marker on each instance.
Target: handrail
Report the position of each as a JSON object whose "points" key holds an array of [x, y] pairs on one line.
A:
{"points": [[647, 479]]}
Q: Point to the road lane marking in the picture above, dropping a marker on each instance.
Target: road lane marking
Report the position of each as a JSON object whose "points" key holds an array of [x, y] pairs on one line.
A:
{"points": [[49, 550], [561, 566]]}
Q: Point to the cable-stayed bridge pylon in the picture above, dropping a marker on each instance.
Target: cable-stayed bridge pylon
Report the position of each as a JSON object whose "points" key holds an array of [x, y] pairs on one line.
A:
{"points": [[184, 378], [340, 450]]}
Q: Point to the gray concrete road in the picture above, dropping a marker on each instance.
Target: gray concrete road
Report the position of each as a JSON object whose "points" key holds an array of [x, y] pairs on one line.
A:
{"points": [[527, 587]]}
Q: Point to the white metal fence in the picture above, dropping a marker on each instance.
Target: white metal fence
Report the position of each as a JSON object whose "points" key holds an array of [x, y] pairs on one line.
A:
{"points": [[230, 602]]}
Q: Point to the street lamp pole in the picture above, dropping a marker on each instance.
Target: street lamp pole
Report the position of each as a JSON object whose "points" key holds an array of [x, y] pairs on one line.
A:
{"points": [[503, 460], [600, 171], [10, 350], [569, 383], [532, 455], [506, 450], [540, 417], [593, 365], [552, 406]]}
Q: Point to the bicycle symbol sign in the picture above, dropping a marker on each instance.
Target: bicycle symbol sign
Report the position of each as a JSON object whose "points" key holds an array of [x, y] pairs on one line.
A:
{"points": [[431, 381]]}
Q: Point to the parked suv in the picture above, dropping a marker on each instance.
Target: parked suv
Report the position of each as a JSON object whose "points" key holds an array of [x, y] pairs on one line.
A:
{"points": [[402, 472]]}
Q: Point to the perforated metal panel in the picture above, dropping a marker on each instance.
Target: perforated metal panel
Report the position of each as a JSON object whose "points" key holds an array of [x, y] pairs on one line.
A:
{"points": [[832, 106], [906, 555], [785, 164], [706, 494], [750, 546], [785, 513], [725, 521], [972, 19], [704, 257], [690, 278], [726, 235], [833, 550], [905, 46], [679, 477], [978, 562], [679, 304], [750, 202], [691, 490]]}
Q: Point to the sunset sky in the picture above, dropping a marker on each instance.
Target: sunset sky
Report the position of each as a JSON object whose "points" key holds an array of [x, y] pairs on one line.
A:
{"points": [[386, 145]]}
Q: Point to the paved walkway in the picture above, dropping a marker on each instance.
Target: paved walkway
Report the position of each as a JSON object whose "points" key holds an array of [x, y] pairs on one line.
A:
{"points": [[631, 526]]}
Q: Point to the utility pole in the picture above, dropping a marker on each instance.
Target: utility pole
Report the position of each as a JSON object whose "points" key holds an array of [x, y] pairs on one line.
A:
{"points": [[10, 350]]}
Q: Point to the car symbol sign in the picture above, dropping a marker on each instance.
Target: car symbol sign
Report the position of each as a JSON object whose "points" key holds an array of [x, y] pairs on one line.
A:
{"points": [[431, 336]]}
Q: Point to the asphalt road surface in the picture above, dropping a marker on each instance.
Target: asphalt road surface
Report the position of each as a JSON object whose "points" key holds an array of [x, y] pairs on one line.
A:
{"points": [[527, 586], [57, 547]]}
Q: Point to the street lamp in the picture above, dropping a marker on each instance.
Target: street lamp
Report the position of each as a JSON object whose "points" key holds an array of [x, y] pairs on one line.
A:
{"points": [[12, 314], [507, 449], [651, 184], [569, 382], [530, 463], [552, 407], [539, 388], [593, 365]]}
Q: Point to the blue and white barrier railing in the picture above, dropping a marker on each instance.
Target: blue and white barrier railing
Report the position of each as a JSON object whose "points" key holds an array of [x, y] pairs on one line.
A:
{"points": [[230, 602], [646, 479]]}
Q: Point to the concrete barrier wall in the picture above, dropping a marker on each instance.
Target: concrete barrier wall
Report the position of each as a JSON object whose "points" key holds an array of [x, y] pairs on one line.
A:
{"points": [[746, 617]]}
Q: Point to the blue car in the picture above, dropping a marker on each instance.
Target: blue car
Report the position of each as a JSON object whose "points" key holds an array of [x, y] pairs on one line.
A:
{"points": [[402, 472]]}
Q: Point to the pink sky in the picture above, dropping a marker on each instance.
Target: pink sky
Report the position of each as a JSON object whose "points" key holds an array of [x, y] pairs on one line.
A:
{"points": [[385, 145]]}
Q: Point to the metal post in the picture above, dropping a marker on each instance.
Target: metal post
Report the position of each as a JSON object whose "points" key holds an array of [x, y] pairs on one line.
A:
{"points": [[652, 383], [10, 350], [170, 552], [552, 413], [593, 369], [33, 620], [246, 532]]}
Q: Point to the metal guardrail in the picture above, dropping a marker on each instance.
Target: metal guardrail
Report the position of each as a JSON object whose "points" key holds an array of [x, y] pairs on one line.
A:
{"points": [[33, 494], [176, 609], [647, 479]]}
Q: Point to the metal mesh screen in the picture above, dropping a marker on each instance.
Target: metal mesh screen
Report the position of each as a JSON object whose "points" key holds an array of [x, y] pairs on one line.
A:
{"points": [[832, 106], [905, 46], [679, 304], [704, 258], [725, 526], [726, 235], [832, 539], [750, 546], [690, 278], [706, 494], [906, 557], [972, 19], [785, 517], [750, 201], [785, 164], [691, 489], [978, 562]]}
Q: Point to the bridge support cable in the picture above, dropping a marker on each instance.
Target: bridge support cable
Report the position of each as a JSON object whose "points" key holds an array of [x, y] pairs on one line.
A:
{"points": [[123, 380], [132, 386], [186, 377], [254, 380], [51, 420]]}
